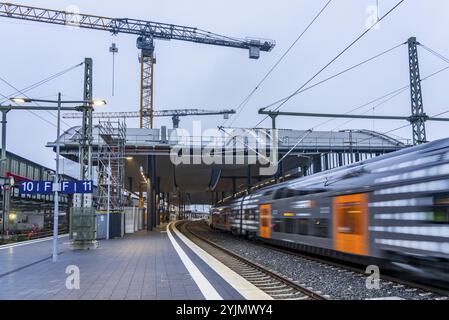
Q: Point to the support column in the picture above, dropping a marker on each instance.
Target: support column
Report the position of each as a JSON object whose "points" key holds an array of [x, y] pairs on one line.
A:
{"points": [[326, 162], [317, 164], [248, 178], [159, 198], [6, 192], [154, 187], [340, 159], [82, 224], [418, 117], [149, 206]]}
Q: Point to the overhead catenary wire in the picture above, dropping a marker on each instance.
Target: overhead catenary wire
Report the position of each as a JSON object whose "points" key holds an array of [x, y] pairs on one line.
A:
{"points": [[374, 107], [244, 103], [41, 82], [400, 90], [435, 53], [30, 111], [288, 98], [340, 73], [34, 86], [405, 126], [389, 97], [393, 93], [35, 114]]}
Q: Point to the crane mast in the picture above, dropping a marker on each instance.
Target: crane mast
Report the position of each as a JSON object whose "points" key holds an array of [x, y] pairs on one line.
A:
{"points": [[147, 32]]}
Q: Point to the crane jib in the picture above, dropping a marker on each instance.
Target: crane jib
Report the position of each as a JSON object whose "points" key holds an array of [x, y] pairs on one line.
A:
{"points": [[151, 29]]}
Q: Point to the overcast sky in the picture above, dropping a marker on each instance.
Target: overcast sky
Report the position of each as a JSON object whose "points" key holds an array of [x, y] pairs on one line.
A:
{"points": [[197, 76]]}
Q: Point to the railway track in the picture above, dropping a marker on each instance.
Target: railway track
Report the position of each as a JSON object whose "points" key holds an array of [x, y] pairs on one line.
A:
{"points": [[387, 281], [443, 293], [275, 285]]}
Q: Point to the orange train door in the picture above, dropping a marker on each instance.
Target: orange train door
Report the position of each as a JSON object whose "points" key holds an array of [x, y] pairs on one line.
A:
{"points": [[351, 224], [265, 221]]}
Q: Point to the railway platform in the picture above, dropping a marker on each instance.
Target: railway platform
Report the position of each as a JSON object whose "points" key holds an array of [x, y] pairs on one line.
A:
{"points": [[158, 265]]}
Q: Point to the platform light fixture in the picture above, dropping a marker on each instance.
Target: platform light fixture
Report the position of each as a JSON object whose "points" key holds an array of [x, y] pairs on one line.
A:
{"points": [[90, 104], [20, 100], [99, 103], [94, 103]]}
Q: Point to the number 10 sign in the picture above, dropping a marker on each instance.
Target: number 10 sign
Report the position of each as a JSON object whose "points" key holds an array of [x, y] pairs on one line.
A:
{"points": [[48, 187]]}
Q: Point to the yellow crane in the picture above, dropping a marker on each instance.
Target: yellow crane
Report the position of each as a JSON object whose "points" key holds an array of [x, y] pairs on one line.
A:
{"points": [[147, 32]]}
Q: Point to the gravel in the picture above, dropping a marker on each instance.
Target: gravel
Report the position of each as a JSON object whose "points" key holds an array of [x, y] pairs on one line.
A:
{"points": [[334, 282]]}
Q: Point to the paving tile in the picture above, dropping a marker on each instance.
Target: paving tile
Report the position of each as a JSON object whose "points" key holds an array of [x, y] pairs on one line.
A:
{"points": [[142, 266]]}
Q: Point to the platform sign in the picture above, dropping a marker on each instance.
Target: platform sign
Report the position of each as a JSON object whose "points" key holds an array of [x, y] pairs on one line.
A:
{"points": [[47, 187], [36, 187], [73, 187]]}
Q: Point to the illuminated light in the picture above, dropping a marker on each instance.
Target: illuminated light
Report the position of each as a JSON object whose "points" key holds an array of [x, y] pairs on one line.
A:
{"points": [[414, 163], [12, 216], [403, 203], [289, 214], [20, 100], [419, 187], [421, 231], [303, 204], [129, 158], [99, 103]]}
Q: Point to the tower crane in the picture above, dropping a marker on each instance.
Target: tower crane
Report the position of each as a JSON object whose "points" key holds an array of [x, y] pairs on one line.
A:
{"points": [[146, 32], [174, 114]]}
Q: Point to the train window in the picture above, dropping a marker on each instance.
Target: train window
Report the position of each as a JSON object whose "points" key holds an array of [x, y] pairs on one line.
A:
{"points": [[268, 193], [289, 193], [289, 225], [303, 226], [321, 228], [349, 219], [279, 194], [227, 215], [284, 193], [251, 214], [276, 226], [441, 209], [441, 216], [264, 222]]}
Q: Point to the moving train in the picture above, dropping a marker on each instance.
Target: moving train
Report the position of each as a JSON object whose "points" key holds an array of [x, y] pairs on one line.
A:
{"points": [[391, 211]]}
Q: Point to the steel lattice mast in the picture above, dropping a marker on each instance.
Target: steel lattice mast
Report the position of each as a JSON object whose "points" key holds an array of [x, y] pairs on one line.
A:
{"points": [[418, 118], [147, 32]]}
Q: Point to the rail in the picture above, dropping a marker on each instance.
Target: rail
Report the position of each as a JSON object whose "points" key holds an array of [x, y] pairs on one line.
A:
{"points": [[289, 283]]}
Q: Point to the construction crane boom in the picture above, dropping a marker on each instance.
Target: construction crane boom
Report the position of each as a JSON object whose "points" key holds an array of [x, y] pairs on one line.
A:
{"points": [[156, 30], [147, 32], [175, 114]]}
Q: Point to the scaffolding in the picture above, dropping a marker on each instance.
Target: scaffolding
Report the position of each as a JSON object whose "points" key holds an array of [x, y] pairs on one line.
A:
{"points": [[111, 165]]}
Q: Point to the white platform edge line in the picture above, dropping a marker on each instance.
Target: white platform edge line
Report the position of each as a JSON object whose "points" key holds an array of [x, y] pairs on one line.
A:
{"points": [[201, 281], [25, 243], [243, 286]]}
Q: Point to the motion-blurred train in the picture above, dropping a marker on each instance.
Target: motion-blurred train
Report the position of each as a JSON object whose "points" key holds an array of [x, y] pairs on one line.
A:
{"points": [[392, 211]]}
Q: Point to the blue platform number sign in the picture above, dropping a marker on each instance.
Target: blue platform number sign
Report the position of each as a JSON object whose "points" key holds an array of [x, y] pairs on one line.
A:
{"points": [[46, 187]]}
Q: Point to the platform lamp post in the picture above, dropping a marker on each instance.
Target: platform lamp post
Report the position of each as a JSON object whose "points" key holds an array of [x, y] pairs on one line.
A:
{"points": [[56, 184]]}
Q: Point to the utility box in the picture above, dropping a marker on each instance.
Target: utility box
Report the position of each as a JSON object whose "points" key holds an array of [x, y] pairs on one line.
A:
{"points": [[116, 224], [101, 223], [82, 224]]}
